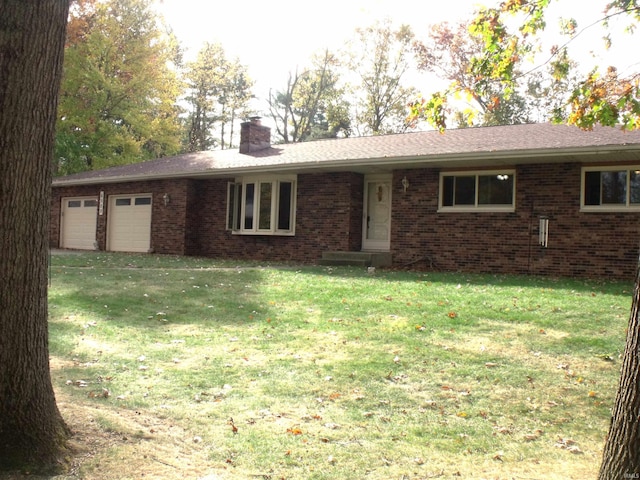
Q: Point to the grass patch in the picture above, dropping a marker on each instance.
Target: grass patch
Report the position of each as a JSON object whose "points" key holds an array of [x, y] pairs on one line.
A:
{"points": [[332, 372]]}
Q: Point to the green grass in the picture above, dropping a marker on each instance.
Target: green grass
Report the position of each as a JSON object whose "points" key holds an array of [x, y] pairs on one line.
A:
{"points": [[335, 373]]}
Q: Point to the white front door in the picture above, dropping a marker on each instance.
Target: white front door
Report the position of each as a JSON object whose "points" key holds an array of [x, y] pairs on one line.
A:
{"points": [[376, 227]]}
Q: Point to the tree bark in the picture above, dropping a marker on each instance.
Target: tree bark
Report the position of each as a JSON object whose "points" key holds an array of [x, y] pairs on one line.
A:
{"points": [[621, 457], [32, 32]]}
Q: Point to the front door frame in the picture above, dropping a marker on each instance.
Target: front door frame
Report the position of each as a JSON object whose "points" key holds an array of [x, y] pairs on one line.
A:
{"points": [[383, 184]]}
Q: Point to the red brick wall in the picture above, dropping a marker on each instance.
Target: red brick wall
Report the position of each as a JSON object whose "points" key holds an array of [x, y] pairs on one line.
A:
{"points": [[580, 244], [167, 222], [329, 217]]}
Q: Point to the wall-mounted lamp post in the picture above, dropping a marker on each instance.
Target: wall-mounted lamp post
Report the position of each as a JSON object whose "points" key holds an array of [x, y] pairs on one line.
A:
{"points": [[167, 199]]}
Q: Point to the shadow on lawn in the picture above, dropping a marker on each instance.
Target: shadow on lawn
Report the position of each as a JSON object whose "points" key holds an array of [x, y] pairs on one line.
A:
{"points": [[122, 299]]}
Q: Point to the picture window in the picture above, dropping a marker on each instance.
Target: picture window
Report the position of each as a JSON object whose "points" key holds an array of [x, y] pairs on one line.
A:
{"points": [[470, 191], [613, 188]]}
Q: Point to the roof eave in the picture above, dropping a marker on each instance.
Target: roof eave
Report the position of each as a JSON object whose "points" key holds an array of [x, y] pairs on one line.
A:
{"points": [[512, 157]]}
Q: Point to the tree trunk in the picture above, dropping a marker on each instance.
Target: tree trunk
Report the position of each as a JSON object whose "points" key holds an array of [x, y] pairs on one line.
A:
{"points": [[32, 33], [621, 458]]}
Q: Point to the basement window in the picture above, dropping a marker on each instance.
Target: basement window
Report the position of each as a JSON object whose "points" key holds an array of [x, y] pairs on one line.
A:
{"points": [[477, 191], [262, 205], [610, 188]]}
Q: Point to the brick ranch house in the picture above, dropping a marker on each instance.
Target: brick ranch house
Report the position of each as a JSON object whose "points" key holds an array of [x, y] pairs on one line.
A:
{"points": [[536, 199]]}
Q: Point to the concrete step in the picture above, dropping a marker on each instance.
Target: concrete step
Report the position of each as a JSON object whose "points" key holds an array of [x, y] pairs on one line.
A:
{"points": [[364, 259], [336, 262]]}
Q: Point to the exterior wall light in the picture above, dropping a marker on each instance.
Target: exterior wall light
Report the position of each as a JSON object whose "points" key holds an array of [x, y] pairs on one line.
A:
{"points": [[167, 199], [405, 184]]}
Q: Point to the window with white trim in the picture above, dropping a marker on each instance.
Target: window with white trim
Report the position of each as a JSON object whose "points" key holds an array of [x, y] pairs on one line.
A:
{"points": [[610, 188], [472, 191], [262, 205]]}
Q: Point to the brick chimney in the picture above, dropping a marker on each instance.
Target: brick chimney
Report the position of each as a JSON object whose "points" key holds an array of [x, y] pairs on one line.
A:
{"points": [[254, 136]]}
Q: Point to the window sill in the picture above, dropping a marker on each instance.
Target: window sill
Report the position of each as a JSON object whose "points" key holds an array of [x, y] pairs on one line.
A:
{"points": [[489, 209], [264, 234], [610, 209]]}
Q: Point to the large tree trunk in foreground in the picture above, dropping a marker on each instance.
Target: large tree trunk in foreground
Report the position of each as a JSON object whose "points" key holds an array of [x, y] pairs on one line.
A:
{"points": [[32, 33], [621, 458]]}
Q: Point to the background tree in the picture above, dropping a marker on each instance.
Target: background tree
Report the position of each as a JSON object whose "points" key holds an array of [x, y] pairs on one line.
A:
{"points": [[380, 56], [234, 97], [219, 92], [118, 96], [312, 105], [201, 79], [32, 32], [448, 53]]}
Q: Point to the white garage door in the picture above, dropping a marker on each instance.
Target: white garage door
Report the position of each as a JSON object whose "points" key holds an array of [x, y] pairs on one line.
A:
{"points": [[78, 223], [129, 228]]}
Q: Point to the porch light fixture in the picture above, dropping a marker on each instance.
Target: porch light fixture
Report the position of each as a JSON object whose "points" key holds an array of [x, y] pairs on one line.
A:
{"points": [[167, 199], [405, 184]]}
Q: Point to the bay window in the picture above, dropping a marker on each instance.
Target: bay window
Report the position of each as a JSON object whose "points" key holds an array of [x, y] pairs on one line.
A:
{"points": [[262, 205]]}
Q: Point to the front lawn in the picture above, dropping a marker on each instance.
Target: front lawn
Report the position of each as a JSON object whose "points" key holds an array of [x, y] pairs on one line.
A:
{"points": [[170, 367]]}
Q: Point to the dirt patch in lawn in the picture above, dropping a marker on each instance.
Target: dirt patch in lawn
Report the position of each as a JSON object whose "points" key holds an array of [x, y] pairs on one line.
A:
{"points": [[127, 444]]}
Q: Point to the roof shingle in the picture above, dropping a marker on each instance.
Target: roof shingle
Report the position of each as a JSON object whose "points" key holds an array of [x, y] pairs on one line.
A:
{"points": [[409, 148]]}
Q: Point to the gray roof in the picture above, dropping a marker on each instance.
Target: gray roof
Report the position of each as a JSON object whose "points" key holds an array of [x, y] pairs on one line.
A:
{"points": [[466, 147]]}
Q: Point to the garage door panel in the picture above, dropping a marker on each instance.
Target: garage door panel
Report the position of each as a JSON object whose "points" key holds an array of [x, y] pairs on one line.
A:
{"points": [[130, 223], [78, 223]]}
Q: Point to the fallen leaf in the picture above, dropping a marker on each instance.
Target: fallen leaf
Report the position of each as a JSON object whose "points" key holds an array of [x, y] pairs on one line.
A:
{"points": [[234, 429], [104, 393], [533, 436], [294, 431], [503, 430], [568, 445]]}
